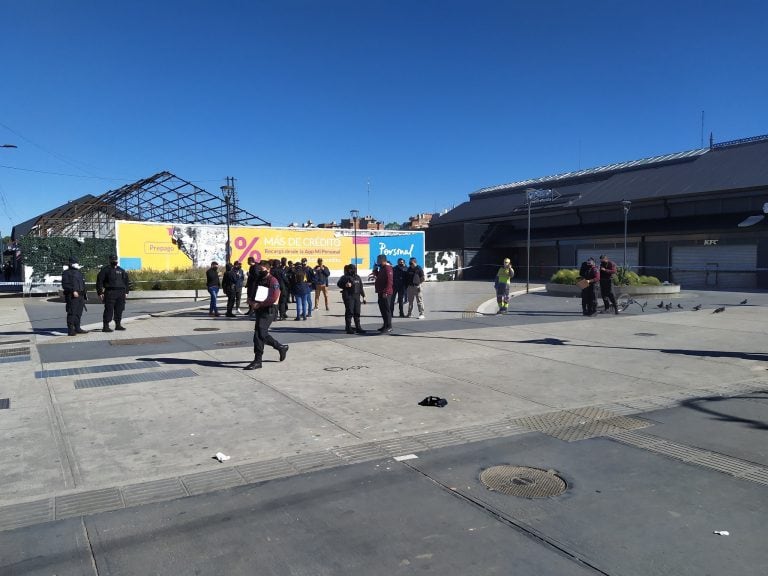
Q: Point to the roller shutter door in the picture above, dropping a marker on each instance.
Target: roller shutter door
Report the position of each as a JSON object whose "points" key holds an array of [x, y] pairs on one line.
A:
{"points": [[715, 267], [615, 254]]}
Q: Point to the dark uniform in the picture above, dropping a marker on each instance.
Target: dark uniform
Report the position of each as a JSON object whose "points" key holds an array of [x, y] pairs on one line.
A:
{"points": [[399, 286], [266, 311], [607, 270], [73, 285], [590, 273], [351, 291], [112, 286]]}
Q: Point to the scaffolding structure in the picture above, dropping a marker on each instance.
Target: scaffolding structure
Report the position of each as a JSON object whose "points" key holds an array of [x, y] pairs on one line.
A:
{"points": [[163, 197]]}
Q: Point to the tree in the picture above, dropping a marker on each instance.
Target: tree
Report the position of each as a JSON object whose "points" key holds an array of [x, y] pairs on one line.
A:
{"points": [[392, 226]]}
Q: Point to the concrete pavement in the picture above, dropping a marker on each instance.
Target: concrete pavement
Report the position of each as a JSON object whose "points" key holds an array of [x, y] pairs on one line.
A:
{"points": [[123, 421]]}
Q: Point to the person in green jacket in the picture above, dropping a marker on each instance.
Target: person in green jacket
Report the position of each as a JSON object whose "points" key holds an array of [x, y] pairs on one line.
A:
{"points": [[503, 280]]}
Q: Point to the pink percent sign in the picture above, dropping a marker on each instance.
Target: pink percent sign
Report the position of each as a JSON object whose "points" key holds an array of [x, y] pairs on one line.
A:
{"points": [[247, 247]]}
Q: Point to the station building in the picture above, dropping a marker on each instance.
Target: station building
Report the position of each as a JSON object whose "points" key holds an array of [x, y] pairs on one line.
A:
{"points": [[696, 218]]}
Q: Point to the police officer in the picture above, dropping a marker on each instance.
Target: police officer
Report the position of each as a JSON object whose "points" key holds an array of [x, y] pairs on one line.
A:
{"points": [[266, 311], [399, 286], [607, 270], [351, 291], [112, 286], [73, 284]]}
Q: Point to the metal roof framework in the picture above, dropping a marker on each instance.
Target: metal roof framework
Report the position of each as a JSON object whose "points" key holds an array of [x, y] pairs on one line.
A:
{"points": [[163, 197]]}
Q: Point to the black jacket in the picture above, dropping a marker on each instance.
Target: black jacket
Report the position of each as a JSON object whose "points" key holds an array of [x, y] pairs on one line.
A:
{"points": [[414, 276], [72, 281], [355, 291], [399, 277], [112, 278], [212, 278]]}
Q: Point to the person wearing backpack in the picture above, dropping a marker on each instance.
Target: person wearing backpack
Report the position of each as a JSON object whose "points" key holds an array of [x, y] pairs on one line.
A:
{"points": [[414, 280]]}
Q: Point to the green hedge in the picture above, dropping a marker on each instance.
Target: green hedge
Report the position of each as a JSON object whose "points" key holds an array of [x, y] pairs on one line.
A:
{"points": [[622, 278], [50, 255], [177, 279]]}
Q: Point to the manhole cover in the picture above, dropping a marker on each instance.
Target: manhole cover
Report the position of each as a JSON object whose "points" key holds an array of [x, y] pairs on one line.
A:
{"points": [[205, 329], [523, 481], [232, 343]]}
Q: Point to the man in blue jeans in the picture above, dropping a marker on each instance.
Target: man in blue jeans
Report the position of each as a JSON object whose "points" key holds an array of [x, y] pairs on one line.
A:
{"points": [[213, 283]]}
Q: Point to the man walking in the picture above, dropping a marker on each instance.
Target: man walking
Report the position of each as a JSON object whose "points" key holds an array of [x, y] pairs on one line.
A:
{"points": [[73, 285], [414, 280], [607, 270], [112, 286], [503, 280], [266, 311], [384, 288]]}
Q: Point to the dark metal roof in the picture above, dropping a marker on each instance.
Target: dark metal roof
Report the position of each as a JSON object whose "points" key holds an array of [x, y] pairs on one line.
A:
{"points": [[725, 167], [23, 229]]}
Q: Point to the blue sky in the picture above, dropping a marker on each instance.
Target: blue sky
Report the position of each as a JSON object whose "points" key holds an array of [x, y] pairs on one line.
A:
{"points": [[305, 101]]}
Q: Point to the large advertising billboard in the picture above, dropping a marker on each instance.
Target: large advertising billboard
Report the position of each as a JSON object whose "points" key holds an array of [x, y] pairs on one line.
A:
{"points": [[166, 246]]}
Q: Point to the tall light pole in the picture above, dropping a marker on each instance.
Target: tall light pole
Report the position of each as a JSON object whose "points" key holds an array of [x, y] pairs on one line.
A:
{"points": [[625, 204], [528, 244], [227, 191], [354, 214]]}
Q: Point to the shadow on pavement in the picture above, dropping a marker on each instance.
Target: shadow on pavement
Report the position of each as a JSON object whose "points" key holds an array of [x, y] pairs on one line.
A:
{"points": [[209, 363], [698, 405]]}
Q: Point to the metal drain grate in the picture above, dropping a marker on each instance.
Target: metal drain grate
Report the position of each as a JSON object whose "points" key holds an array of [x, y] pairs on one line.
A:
{"points": [[20, 341], [233, 343], [14, 359], [523, 481], [95, 369], [5, 403], [645, 334], [135, 378], [206, 329], [140, 341], [7, 352]]}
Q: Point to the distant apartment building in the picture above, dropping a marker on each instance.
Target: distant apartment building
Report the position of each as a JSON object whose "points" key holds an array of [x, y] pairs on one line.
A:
{"points": [[418, 222]]}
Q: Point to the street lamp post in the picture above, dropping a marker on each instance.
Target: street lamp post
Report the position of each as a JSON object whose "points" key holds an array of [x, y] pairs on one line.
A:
{"points": [[625, 204], [227, 193], [528, 246], [354, 214]]}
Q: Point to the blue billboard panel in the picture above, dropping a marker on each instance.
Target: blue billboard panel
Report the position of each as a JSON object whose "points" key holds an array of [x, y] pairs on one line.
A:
{"points": [[405, 246]]}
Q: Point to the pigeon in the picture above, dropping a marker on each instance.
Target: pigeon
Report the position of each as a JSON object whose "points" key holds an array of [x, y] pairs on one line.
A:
{"points": [[668, 307], [697, 307], [718, 310], [679, 305], [661, 304], [744, 301]]}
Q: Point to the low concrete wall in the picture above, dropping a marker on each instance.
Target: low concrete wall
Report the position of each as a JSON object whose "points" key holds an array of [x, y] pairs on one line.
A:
{"points": [[570, 290]]}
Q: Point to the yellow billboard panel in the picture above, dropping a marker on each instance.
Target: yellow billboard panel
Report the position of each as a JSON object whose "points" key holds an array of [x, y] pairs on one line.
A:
{"points": [[165, 246]]}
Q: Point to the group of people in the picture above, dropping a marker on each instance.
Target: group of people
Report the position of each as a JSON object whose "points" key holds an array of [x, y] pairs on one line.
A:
{"points": [[112, 286], [7, 270], [592, 277], [297, 280]]}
